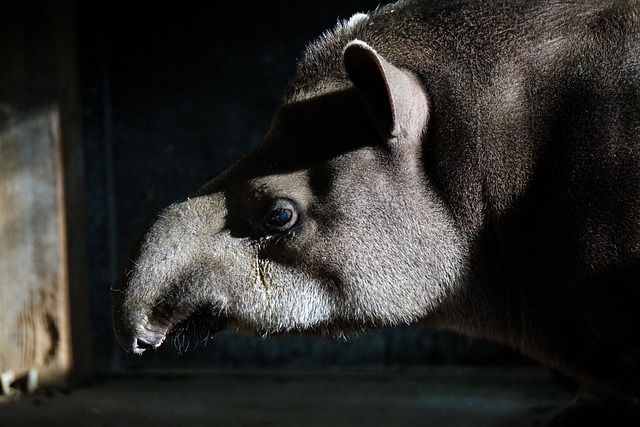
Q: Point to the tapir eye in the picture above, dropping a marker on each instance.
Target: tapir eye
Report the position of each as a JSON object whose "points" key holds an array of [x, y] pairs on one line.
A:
{"points": [[281, 217]]}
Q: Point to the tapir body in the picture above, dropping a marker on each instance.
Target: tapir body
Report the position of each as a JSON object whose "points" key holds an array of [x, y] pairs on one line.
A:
{"points": [[471, 165]]}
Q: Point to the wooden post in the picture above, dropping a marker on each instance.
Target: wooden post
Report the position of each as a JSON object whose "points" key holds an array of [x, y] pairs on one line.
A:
{"points": [[43, 293]]}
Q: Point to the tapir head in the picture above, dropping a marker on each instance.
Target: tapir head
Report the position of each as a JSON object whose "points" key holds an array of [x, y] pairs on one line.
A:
{"points": [[329, 225]]}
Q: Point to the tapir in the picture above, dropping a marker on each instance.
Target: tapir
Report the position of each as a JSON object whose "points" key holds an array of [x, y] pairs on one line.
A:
{"points": [[472, 165]]}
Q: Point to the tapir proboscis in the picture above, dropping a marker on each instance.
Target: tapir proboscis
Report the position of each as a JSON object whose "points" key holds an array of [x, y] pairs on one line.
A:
{"points": [[470, 165]]}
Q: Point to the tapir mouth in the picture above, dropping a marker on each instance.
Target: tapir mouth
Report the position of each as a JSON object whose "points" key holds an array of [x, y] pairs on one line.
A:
{"points": [[197, 325], [197, 328]]}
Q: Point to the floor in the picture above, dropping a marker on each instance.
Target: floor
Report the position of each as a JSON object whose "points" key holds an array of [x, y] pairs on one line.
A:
{"points": [[435, 397]]}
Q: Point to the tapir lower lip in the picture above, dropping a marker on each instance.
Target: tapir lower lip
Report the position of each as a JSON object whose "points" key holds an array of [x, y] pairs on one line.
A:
{"points": [[154, 337], [135, 334], [140, 345], [148, 340]]}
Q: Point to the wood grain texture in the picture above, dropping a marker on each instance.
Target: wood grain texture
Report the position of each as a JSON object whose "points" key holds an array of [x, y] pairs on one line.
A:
{"points": [[41, 217], [33, 306]]}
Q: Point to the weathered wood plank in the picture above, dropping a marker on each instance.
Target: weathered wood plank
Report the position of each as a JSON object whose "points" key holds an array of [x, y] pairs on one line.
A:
{"points": [[33, 302], [41, 217]]}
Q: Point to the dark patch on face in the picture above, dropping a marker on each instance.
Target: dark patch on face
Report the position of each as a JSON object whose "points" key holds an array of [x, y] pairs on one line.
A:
{"points": [[305, 136], [245, 208], [312, 132]]}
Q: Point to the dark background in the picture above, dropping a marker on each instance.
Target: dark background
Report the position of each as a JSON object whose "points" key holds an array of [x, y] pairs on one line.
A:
{"points": [[172, 94]]}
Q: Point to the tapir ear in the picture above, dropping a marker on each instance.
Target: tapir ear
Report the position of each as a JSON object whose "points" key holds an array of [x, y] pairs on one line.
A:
{"points": [[394, 99]]}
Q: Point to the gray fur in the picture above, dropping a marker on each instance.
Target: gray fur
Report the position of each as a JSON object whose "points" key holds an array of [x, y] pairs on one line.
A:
{"points": [[473, 165]]}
